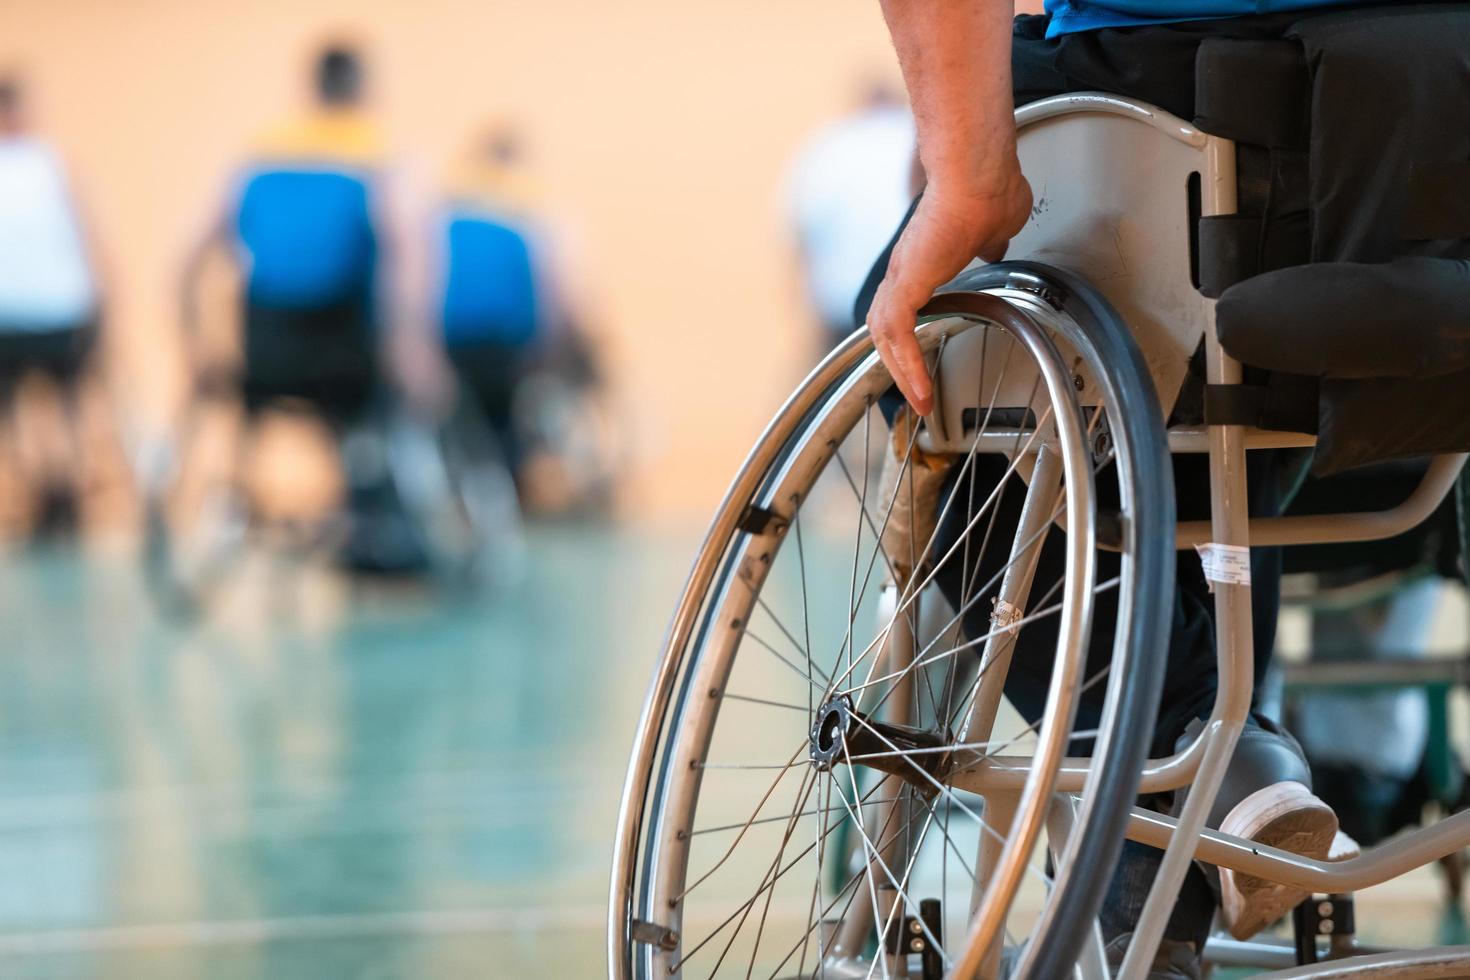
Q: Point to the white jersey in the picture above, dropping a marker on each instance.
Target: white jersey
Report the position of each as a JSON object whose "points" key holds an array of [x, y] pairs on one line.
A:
{"points": [[45, 279], [847, 192]]}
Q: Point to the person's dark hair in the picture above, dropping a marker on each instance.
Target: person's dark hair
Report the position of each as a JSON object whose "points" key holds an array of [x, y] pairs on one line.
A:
{"points": [[502, 145], [9, 93], [339, 76]]}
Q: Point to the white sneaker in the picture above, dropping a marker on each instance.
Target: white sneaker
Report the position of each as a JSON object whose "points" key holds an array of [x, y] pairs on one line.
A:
{"points": [[1284, 815]]}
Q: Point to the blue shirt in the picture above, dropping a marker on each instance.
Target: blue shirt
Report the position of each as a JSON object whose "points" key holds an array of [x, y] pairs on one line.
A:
{"points": [[1071, 16], [490, 288], [305, 210]]}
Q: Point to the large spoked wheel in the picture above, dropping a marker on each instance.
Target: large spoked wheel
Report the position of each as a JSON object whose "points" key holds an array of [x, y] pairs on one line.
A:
{"points": [[826, 782]]}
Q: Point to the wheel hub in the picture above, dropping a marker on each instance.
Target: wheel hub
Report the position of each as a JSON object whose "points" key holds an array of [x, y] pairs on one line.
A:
{"points": [[830, 731], [841, 733]]}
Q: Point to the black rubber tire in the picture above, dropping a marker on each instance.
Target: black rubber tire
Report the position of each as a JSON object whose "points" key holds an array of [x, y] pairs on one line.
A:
{"points": [[1150, 538]]}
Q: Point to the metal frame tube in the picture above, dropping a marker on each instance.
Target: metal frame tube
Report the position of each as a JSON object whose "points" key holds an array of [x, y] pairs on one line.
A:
{"points": [[1044, 487], [1234, 656], [1373, 867], [1042, 491], [1344, 528], [1442, 963], [1196, 439]]}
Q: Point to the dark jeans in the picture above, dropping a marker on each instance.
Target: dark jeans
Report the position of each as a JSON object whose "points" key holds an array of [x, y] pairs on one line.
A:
{"points": [[490, 374], [326, 357], [61, 354], [1386, 163]]}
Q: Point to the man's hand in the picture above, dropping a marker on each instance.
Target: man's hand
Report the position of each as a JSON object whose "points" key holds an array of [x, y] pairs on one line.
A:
{"points": [[948, 231], [956, 60]]}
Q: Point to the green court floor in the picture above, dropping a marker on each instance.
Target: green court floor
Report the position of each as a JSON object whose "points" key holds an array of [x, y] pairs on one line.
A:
{"points": [[319, 781], [324, 781]]}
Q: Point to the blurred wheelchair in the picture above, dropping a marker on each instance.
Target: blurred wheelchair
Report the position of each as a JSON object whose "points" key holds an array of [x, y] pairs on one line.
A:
{"points": [[407, 495], [814, 686], [521, 359]]}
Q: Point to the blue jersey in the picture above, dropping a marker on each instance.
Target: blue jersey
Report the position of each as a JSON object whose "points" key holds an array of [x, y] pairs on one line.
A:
{"points": [[309, 236], [490, 288], [1071, 16], [304, 215]]}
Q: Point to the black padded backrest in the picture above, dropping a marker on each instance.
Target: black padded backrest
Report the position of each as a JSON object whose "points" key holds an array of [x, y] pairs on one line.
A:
{"points": [[1255, 92], [1258, 93], [1353, 129], [1354, 121]]}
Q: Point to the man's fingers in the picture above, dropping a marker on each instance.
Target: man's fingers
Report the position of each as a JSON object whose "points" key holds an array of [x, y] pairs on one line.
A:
{"points": [[911, 363], [899, 349]]}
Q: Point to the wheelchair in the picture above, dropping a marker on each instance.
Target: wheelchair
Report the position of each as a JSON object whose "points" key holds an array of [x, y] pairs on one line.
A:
{"points": [[412, 495], [826, 780]]}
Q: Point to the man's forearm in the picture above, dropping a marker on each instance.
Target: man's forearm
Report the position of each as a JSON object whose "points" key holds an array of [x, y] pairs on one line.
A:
{"points": [[956, 59]]}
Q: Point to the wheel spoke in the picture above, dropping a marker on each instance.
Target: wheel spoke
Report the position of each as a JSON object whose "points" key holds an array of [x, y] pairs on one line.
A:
{"points": [[745, 827], [857, 544], [755, 897], [925, 658], [907, 873], [786, 632], [868, 849], [818, 811], [903, 469], [911, 590], [744, 911], [782, 657], [873, 528], [824, 800], [806, 616], [808, 783], [947, 792], [853, 879], [1032, 727], [875, 857], [919, 660], [766, 701]]}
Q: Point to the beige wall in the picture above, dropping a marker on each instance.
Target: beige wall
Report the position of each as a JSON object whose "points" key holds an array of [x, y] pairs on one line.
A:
{"points": [[661, 128]]}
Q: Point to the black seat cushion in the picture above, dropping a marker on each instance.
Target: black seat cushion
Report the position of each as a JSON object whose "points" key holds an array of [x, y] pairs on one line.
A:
{"points": [[1409, 318]]}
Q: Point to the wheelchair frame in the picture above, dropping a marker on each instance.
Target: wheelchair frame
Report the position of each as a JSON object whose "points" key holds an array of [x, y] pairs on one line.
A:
{"points": [[1203, 762], [1169, 318]]}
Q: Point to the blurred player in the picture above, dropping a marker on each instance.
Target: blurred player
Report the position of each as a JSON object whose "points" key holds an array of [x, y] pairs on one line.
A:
{"points": [[304, 225], [49, 305], [511, 334], [847, 190]]}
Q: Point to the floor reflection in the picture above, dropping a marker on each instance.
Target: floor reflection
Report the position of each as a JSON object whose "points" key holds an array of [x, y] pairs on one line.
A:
{"points": [[320, 781], [324, 782]]}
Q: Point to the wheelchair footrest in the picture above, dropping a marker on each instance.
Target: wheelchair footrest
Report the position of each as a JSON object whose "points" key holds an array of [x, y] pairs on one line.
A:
{"points": [[1323, 917], [919, 936]]}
